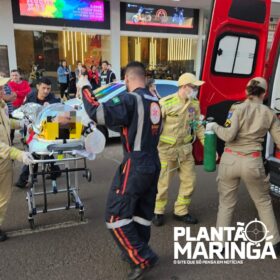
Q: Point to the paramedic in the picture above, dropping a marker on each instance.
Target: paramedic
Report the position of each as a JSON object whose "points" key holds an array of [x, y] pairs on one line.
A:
{"points": [[7, 154], [181, 115], [242, 157], [132, 195]]}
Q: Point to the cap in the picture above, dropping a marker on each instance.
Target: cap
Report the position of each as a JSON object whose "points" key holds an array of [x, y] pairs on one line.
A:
{"points": [[4, 81], [258, 82], [189, 79]]}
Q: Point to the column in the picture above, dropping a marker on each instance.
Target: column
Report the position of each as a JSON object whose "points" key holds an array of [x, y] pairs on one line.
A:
{"points": [[7, 32], [115, 37], [199, 43]]}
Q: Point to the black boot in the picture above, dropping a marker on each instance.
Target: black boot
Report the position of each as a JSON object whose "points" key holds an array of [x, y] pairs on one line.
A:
{"points": [[158, 220], [188, 219], [138, 273], [3, 236]]}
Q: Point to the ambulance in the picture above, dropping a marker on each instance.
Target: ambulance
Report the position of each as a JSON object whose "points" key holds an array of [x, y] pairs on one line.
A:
{"points": [[235, 52]]}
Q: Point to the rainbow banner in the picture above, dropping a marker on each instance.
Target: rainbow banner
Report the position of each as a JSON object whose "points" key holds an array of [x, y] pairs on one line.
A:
{"points": [[84, 10]]}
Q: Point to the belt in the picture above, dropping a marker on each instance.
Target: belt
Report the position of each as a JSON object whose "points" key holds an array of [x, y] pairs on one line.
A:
{"points": [[253, 154]]}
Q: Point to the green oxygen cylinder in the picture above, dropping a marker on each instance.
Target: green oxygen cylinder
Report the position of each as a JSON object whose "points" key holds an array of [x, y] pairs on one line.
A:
{"points": [[210, 147]]}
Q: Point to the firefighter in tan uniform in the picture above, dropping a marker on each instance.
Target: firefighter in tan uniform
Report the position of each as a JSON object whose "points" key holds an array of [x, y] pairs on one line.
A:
{"points": [[7, 154], [246, 127], [181, 116]]}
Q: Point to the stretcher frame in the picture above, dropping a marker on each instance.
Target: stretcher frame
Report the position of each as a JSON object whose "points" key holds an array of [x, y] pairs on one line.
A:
{"points": [[72, 196]]}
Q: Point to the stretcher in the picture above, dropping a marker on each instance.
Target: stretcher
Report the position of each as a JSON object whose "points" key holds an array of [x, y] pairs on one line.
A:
{"points": [[56, 137], [71, 167]]}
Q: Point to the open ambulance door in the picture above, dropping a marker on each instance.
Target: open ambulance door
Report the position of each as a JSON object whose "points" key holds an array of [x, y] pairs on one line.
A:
{"points": [[234, 53], [272, 74]]}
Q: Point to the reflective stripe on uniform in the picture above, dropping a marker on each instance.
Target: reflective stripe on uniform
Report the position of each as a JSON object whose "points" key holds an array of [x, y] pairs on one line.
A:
{"points": [[14, 153], [188, 139], [14, 123], [172, 101], [140, 110], [152, 98], [124, 222], [160, 204], [163, 164], [119, 223], [142, 221], [100, 117], [183, 200], [167, 139]]}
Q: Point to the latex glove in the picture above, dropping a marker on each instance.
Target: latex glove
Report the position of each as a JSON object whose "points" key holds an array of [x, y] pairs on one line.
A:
{"points": [[210, 125], [27, 158], [24, 123]]}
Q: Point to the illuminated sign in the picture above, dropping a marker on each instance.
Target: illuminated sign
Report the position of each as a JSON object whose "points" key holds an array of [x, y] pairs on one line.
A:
{"points": [[78, 10], [150, 18], [148, 15]]}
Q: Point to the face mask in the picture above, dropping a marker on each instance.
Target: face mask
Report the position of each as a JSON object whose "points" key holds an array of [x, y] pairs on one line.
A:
{"points": [[193, 94]]}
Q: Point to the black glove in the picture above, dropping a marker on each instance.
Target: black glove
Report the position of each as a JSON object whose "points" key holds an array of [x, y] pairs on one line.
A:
{"points": [[88, 129]]}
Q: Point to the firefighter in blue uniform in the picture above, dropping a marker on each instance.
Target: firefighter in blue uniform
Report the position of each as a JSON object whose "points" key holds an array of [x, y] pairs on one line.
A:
{"points": [[131, 199]]}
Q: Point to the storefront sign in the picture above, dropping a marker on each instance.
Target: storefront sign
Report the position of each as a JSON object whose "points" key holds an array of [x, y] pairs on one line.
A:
{"points": [[66, 9], [72, 13], [141, 17]]}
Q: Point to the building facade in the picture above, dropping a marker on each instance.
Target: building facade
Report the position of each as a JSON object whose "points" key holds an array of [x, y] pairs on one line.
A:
{"points": [[168, 38]]}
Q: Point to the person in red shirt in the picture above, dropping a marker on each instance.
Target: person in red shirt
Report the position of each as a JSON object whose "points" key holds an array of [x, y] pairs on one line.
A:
{"points": [[94, 80], [20, 87]]}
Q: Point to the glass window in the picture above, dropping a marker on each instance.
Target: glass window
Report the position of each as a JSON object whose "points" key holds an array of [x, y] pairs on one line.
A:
{"points": [[46, 49], [166, 58], [164, 89], [253, 10], [235, 55]]}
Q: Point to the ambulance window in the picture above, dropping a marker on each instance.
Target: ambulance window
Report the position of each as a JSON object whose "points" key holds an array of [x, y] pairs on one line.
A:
{"points": [[245, 56], [252, 11], [235, 55]]}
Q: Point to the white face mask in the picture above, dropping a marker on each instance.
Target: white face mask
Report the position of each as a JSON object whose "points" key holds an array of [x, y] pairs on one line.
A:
{"points": [[193, 94]]}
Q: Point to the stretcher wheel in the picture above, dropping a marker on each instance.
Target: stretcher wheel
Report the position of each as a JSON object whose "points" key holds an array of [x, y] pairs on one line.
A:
{"points": [[31, 224], [88, 175], [82, 215]]}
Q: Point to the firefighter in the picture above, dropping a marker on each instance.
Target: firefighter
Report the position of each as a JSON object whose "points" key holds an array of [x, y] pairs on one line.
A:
{"points": [[131, 199], [246, 126], [7, 154], [181, 115]]}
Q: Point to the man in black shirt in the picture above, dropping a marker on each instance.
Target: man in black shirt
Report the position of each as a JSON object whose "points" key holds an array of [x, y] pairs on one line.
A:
{"points": [[106, 76], [42, 96]]}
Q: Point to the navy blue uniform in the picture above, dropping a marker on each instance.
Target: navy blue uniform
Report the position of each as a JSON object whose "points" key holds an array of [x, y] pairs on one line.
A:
{"points": [[131, 199]]}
